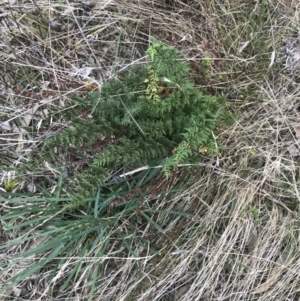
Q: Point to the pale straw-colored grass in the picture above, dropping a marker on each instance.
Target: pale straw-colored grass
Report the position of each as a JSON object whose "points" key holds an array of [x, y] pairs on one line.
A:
{"points": [[241, 241]]}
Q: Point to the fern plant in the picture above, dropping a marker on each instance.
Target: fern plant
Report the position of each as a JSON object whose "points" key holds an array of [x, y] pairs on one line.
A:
{"points": [[148, 114]]}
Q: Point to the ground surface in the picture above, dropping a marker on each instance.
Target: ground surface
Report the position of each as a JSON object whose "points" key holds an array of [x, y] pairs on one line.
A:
{"points": [[237, 237]]}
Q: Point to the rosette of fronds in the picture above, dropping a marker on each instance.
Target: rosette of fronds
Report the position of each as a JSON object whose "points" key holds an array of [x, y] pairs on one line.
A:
{"points": [[151, 114]]}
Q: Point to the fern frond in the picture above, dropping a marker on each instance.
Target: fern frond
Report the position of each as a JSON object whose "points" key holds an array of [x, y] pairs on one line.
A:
{"points": [[152, 112]]}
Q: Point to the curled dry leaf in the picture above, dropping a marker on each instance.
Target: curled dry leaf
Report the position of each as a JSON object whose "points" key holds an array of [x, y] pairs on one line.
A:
{"points": [[31, 187], [293, 150], [5, 126], [17, 291], [297, 130], [54, 24], [29, 115], [252, 241]]}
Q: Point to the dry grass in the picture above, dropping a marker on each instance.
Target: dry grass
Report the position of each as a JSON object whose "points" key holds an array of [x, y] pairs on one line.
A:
{"points": [[242, 240]]}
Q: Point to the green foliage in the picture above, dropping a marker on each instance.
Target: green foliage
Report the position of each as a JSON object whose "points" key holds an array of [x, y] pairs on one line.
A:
{"points": [[149, 114], [9, 184], [112, 223]]}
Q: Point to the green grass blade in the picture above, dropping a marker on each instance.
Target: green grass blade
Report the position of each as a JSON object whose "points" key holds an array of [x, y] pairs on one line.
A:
{"points": [[151, 221]]}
